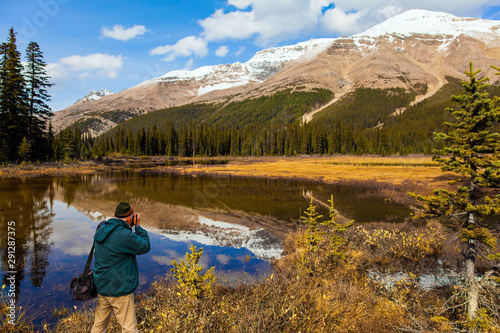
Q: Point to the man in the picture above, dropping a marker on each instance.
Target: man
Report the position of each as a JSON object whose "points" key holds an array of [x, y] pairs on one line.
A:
{"points": [[116, 275]]}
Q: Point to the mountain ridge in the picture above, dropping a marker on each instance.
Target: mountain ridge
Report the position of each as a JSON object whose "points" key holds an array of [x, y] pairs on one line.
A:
{"points": [[94, 95], [407, 51]]}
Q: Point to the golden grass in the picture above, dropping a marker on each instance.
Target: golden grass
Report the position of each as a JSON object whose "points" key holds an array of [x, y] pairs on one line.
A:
{"points": [[310, 291], [394, 169], [50, 169], [331, 295]]}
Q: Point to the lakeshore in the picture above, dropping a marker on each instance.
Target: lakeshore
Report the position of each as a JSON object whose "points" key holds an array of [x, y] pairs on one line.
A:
{"points": [[316, 283], [395, 170]]}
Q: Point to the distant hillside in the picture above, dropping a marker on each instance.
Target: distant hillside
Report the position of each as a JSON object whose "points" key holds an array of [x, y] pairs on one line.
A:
{"points": [[283, 108]]}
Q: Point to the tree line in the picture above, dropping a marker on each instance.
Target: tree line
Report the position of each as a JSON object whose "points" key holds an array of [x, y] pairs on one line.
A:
{"points": [[25, 132], [189, 140]]}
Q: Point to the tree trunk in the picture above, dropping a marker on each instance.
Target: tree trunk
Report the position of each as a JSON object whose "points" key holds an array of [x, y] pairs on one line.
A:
{"points": [[472, 284], [470, 261]]}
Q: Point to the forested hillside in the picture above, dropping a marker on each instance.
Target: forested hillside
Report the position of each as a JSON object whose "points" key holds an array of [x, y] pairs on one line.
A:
{"points": [[367, 121]]}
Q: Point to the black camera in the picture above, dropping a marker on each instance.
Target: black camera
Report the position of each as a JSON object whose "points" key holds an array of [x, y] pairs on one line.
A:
{"points": [[134, 219]]}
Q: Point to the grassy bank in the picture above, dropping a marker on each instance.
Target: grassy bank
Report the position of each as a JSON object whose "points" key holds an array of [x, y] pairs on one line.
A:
{"points": [[396, 170], [50, 169]]}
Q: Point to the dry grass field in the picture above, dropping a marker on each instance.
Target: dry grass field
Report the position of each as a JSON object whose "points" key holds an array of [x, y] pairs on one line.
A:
{"points": [[51, 169], [395, 170]]}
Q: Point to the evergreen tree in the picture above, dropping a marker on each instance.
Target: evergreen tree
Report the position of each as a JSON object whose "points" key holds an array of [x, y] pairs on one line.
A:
{"points": [[68, 145], [474, 150], [24, 150], [37, 82], [3, 79], [13, 109]]}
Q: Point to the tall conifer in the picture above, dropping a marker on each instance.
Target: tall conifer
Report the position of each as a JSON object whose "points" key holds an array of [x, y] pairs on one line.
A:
{"points": [[13, 108], [472, 149], [37, 82]]}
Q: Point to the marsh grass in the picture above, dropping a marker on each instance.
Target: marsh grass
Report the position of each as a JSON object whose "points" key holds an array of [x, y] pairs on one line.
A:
{"points": [[48, 169], [395, 170], [23, 320]]}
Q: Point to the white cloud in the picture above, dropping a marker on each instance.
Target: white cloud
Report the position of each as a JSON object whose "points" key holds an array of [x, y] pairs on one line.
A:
{"points": [[235, 25], [272, 22], [222, 51], [121, 33], [185, 47], [337, 21], [57, 72], [103, 65]]}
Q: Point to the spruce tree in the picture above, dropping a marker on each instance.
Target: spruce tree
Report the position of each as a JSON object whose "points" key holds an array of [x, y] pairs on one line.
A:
{"points": [[472, 149], [13, 110], [3, 79], [37, 82], [24, 150]]}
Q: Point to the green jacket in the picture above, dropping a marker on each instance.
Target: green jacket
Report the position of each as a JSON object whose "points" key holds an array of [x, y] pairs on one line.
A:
{"points": [[115, 268]]}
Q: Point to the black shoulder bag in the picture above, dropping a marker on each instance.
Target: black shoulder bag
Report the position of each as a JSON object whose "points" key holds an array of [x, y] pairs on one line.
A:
{"points": [[83, 286]]}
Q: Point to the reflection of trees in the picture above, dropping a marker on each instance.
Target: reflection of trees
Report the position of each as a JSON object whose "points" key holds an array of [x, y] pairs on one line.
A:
{"points": [[40, 236], [70, 188], [84, 186], [29, 205]]}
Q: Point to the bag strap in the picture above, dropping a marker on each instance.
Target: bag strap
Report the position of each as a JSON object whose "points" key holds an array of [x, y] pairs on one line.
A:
{"points": [[89, 259]]}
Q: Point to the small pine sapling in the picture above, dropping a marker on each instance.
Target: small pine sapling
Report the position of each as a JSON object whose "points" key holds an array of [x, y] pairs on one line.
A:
{"points": [[188, 274], [313, 236], [336, 231]]}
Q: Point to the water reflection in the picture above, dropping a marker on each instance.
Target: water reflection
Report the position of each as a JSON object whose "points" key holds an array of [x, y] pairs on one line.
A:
{"points": [[239, 222], [29, 205]]}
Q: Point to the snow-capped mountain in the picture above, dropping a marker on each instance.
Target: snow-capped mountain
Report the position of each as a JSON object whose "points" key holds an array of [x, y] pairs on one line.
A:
{"points": [[412, 50], [424, 22], [413, 23], [94, 95], [259, 68]]}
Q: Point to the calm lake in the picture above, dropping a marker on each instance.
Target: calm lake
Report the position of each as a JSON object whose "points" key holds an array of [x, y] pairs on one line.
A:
{"points": [[239, 222]]}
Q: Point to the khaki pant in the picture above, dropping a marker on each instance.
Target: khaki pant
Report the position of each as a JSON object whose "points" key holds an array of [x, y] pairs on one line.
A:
{"points": [[124, 309]]}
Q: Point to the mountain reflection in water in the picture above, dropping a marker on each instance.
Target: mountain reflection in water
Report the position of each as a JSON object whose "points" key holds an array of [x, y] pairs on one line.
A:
{"points": [[240, 223]]}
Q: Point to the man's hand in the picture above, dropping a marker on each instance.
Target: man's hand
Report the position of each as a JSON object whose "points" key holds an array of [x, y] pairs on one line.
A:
{"points": [[137, 219]]}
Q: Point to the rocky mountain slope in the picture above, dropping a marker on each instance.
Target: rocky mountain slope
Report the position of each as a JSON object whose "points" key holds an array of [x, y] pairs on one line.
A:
{"points": [[94, 95], [415, 50]]}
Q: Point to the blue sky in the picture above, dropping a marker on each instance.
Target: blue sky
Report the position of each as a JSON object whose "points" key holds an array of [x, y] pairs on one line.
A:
{"points": [[111, 44]]}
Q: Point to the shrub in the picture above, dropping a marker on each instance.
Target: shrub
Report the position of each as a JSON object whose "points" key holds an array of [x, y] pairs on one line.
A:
{"points": [[187, 274]]}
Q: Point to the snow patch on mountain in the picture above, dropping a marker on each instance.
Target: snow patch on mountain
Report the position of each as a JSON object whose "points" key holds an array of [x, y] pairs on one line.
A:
{"points": [[259, 68], [95, 95], [418, 23], [219, 86]]}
